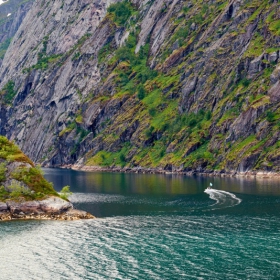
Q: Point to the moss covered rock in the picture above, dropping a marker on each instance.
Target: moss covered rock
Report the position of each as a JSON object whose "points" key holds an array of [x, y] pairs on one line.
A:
{"points": [[25, 193], [19, 177]]}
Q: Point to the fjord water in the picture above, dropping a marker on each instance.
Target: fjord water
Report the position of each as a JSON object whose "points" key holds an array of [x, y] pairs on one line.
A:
{"points": [[151, 227]]}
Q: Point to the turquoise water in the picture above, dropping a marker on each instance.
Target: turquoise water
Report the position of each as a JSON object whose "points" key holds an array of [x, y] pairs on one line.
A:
{"points": [[151, 227]]}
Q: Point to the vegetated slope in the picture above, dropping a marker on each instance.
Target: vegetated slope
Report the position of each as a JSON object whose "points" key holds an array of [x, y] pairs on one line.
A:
{"points": [[25, 193], [12, 14], [177, 85], [19, 178]]}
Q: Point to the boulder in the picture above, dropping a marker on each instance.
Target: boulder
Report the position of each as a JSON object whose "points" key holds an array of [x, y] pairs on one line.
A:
{"points": [[3, 207], [255, 66], [275, 76], [274, 92], [55, 205], [273, 57], [75, 214], [52, 208], [27, 207]]}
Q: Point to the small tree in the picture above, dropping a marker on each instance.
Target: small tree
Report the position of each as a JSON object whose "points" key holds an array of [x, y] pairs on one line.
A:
{"points": [[3, 170], [17, 190], [270, 116], [122, 158], [3, 193], [65, 192], [141, 92]]}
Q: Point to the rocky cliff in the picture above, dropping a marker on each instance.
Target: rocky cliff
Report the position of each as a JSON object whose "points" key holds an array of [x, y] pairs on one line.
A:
{"points": [[12, 13], [168, 84], [25, 194]]}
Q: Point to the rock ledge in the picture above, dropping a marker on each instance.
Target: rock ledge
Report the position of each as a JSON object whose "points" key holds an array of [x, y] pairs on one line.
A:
{"points": [[52, 208]]}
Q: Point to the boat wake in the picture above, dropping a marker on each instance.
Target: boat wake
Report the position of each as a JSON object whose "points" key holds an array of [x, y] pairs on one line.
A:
{"points": [[223, 199]]}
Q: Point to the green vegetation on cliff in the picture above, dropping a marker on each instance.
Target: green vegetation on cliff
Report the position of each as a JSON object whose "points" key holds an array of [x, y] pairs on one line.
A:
{"points": [[121, 11], [8, 93], [19, 177], [192, 137], [7, 27], [184, 85], [4, 46]]}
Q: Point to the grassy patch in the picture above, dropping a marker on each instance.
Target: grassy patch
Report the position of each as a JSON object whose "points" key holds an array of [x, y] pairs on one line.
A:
{"points": [[23, 175], [273, 22], [8, 92], [4, 46], [121, 12], [256, 47], [108, 159], [241, 146], [200, 155], [10, 152]]}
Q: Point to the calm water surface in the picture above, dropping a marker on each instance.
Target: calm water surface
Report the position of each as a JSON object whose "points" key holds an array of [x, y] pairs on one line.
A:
{"points": [[151, 227]]}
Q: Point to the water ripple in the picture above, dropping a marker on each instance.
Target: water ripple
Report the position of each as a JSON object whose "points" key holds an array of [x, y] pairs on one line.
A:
{"points": [[200, 245]]}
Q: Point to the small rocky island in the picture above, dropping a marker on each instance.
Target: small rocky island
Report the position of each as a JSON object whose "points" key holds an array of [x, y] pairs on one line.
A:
{"points": [[26, 194]]}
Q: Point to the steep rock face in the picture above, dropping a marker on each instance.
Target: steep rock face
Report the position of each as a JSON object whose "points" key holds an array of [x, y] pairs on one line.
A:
{"points": [[169, 84], [12, 14], [48, 98]]}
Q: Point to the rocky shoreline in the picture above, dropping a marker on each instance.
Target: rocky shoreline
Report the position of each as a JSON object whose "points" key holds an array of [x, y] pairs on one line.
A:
{"points": [[52, 208], [210, 173], [24, 192]]}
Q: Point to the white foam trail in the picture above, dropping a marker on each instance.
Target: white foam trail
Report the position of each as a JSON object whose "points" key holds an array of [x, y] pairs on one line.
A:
{"points": [[95, 198], [223, 199]]}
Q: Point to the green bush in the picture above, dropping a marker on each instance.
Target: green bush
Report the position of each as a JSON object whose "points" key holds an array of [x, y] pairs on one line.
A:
{"points": [[8, 92], [122, 158], [124, 54], [245, 82], [146, 74], [270, 116], [208, 115], [76, 56], [144, 51], [141, 92], [17, 190], [83, 133], [121, 12], [10, 152], [152, 112], [65, 192], [33, 178], [192, 122], [3, 193], [3, 169], [149, 132], [123, 79]]}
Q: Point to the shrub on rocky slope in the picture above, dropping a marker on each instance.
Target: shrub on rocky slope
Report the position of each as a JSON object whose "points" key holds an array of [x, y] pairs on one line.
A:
{"points": [[25, 193], [19, 178]]}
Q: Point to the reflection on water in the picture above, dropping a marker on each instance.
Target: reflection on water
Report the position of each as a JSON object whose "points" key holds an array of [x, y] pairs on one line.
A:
{"points": [[156, 184], [118, 194], [151, 227], [100, 182]]}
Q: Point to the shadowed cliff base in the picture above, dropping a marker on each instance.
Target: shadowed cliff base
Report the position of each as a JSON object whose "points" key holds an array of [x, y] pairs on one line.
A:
{"points": [[210, 173]]}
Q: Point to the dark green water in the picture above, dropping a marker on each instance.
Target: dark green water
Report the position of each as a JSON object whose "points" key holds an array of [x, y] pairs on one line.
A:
{"points": [[151, 227]]}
